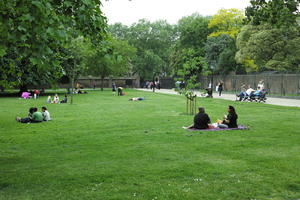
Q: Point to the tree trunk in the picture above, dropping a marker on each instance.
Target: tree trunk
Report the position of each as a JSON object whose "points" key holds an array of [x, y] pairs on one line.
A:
{"points": [[72, 82], [72, 89], [102, 83]]}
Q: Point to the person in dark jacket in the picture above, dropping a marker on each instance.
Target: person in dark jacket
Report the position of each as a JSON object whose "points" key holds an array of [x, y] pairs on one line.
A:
{"points": [[220, 88], [201, 120], [230, 121]]}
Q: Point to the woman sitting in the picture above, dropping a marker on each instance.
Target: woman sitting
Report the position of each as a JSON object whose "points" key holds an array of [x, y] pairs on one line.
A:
{"points": [[230, 121]]}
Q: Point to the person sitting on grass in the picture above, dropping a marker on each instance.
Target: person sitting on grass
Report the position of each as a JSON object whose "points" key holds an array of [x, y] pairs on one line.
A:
{"points": [[230, 121], [201, 120], [49, 99], [56, 99], [36, 116], [28, 118], [65, 100], [46, 114], [33, 117]]}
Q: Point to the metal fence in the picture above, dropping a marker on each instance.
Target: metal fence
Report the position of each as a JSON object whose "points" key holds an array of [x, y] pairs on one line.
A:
{"points": [[276, 84]]}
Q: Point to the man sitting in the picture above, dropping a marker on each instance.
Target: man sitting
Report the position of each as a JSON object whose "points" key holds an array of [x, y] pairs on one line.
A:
{"points": [[201, 120]]}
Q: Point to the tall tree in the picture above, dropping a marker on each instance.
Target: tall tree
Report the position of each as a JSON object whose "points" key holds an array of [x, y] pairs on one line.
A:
{"points": [[280, 13], [264, 47], [113, 58], [220, 54], [226, 21], [190, 46], [32, 32]]}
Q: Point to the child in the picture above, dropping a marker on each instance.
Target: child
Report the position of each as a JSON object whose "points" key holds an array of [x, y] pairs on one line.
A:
{"points": [[46, 114]]}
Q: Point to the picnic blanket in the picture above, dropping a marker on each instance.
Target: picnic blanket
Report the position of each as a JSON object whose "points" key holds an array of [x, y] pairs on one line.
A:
{"points": [[240, 127]]}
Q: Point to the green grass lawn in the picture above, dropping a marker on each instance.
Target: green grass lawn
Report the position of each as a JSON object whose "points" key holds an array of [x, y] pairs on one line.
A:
{"points": [[105, 147]]}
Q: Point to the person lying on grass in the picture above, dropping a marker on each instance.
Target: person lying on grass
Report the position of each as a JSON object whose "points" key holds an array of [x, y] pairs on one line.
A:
{"points": [[201, 120], [46, 114], [230, 121], [137, 99], [33, 117]]}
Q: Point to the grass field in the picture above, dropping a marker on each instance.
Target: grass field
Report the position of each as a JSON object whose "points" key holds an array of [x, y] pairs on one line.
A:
{"points": [[105, 147]]}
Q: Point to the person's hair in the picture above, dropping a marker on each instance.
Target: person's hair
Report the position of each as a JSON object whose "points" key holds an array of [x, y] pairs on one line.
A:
{"points": [[31, 110], [35, 109], [44, 108], [201, 110], [231, 109]]}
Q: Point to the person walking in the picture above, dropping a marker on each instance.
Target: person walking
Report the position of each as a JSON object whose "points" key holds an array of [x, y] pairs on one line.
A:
{"points": [[220, 88]]}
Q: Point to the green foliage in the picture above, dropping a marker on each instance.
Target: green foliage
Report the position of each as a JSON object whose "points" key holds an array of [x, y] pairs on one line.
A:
{"points": [[33, 32], [263, 48], [192, 66], [187, 58], [153, 42], [112, 58], [226, 21], [220, 54], [193, 31], [281, 13]]}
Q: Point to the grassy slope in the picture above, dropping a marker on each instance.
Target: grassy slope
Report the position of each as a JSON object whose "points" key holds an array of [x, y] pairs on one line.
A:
{"points": [[106, 147]]}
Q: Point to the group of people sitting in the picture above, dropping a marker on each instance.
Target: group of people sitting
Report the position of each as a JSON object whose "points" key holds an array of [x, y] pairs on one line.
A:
{"points": [[34, 116], [56, 99], [202, 120], [251, 94]]}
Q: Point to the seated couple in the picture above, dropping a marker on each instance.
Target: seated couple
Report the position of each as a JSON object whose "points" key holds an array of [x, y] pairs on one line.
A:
{"points": [[202, 120], [35, 117]]}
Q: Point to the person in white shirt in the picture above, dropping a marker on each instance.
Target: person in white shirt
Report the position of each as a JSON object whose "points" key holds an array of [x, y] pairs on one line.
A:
{"points": [[249, 91], [56, 99], [46, 114]]}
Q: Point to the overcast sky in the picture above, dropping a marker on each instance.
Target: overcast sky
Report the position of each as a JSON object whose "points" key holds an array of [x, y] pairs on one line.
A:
{"points": [[128, 12]]}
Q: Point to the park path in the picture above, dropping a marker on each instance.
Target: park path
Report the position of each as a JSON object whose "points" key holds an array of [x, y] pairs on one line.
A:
{"points": [[232, 97]]}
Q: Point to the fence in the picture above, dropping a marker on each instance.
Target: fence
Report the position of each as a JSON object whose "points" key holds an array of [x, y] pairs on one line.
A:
{"points": [[276, 84]]}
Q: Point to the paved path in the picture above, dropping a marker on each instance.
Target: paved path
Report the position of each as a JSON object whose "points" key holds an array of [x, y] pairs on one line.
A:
{"points": [[270, 100]]}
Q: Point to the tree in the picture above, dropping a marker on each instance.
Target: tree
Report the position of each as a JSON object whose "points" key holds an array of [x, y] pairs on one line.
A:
{"points": [[193, 31], [74, 59], [264, 47], [32, 33], [113, 58], [192, 67], [226, 21], [190, 46], [153, 41], [280, 13], [220, 54]]}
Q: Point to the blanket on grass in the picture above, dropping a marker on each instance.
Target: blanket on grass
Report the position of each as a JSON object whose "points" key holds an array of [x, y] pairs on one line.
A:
{"points": [[240, 127]]}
